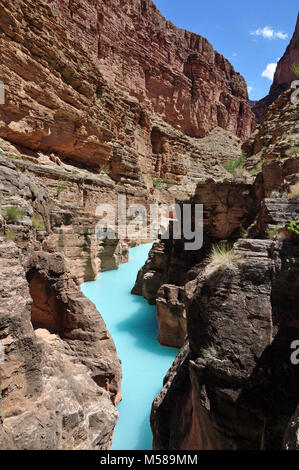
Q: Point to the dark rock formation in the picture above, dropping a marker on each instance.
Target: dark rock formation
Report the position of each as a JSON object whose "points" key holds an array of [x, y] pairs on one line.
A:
{"points": [[239, 360], [166, 278], [291, 441], [240, 325], [169, 423]]}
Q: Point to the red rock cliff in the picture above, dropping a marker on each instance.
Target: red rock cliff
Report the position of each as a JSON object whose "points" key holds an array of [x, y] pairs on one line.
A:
{"points": [[284, 74], [283, 77], [175, 73], [69, 66]]}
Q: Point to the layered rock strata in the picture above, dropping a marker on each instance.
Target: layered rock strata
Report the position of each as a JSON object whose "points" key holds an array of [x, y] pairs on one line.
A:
{"points": [[277, 137], [95, 82], [283, 77], [60, 374]]}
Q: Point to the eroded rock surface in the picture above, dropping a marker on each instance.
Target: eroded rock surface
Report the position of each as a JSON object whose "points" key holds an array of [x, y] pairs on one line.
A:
{"points": [[284, 75], [77, 73], [278, 135], [60, 377]]}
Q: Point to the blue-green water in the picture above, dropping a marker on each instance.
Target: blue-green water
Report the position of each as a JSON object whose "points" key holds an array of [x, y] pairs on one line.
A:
{"points": [[133, 326]]}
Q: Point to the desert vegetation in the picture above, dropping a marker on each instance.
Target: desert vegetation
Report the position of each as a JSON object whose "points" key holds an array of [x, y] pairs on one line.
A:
{"points": [[223, 256]]}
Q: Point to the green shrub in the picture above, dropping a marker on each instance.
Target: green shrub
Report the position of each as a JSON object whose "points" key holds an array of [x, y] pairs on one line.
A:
{"points": [[232, 165], [273, 230], [62, 184], [243, 232], [294, 227], [13, 213], [9, 236], [258, 168], [37, 222], [292, 152], [157, 184], [293, 263], [295, 68], [208, 354], [223, 256], [104, 169]]}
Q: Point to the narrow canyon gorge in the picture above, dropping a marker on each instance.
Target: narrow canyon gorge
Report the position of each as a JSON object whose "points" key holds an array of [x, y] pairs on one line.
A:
{"points": [[107, 98]]}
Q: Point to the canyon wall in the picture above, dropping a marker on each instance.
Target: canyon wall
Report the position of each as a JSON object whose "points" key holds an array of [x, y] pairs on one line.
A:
{"points": [[284, 75], [277, 137], [233, 310], [175, 74], [105, 98], [60, 377], [83, 80]]}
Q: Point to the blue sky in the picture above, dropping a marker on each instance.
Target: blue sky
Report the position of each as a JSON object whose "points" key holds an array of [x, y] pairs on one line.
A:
{"points": [[252, 36]]}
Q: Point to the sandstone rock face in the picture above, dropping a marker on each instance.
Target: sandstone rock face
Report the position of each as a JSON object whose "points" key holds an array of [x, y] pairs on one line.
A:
{"points": [[215, 417], [283, 77], [60, 377], [96, 83], [176, 74], [167, 277], [278, 135], [169, 422], [284, 74], [171, 315]]}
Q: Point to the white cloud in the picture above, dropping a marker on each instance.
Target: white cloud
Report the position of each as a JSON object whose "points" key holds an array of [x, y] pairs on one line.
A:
{"points": [[269, 71], [235, 54], [269, 33], [282, 35], [250, 88]]}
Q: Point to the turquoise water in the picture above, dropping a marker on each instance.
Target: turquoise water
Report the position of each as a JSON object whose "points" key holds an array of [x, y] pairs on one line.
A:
{"points": [[133, 326]]}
